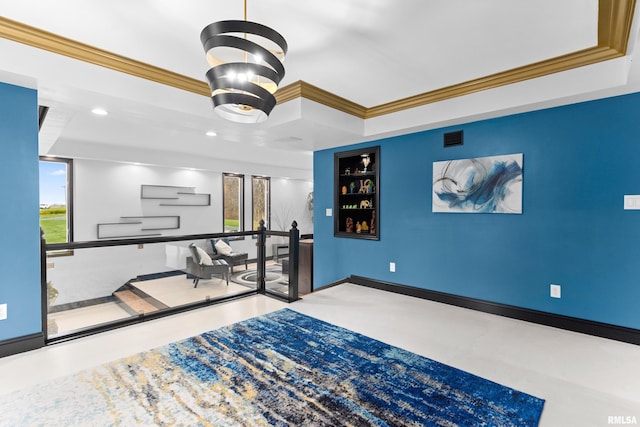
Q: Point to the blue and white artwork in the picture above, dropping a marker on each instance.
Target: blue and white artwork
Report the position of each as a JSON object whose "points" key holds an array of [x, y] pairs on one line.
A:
{"points": [[481, 185]]}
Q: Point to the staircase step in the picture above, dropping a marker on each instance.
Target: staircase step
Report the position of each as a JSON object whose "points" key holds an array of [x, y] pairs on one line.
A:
{"points": [[135, 302]]}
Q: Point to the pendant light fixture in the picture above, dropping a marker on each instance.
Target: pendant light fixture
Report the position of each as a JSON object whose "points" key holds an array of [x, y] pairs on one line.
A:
{"points": [[246, 68]]}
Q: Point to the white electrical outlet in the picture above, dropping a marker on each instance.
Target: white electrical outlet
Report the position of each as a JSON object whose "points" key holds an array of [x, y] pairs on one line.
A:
{"points": [[328, 212], [555, 291], [3, 311], [631, 202], [392, 267]]}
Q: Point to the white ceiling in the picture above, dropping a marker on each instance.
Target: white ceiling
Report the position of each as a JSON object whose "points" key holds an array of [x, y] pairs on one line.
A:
{"points": [[368, 51]]}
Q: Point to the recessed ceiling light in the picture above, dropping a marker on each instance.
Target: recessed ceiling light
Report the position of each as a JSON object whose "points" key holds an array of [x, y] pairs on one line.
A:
{"points": [[211, 133], [99, 111]]}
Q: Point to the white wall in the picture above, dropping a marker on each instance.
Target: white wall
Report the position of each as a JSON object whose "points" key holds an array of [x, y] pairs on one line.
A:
{"points": [[289, 202], [104, 191]]}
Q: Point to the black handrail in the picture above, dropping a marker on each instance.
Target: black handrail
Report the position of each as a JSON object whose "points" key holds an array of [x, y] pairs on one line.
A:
{"points": [[143, 240]]}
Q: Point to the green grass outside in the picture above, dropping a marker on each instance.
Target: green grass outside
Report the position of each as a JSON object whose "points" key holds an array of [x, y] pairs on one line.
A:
{"points": [[55, 230], [231, 224]]}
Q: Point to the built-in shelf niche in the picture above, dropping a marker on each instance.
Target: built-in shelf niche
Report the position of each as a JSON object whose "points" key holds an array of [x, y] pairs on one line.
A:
{"points": [[137, 226], [172, 195], [357, 194]]}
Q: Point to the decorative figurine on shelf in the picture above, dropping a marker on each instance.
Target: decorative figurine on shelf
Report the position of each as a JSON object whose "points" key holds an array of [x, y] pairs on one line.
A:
{"points": [[372, 228], [352, 187], [369, 184], [364, 204], [363, 187], [365, 161], [349, 225], [347, 171], [344, 189], [358, 227], [365, 227]]}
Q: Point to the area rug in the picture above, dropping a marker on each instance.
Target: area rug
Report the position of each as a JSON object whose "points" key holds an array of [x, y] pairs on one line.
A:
{"points": [[273, 278], [283, 368]]}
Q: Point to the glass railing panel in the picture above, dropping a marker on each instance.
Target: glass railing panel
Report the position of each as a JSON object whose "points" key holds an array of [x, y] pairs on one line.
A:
{"points": [[100, 285], [278, 264], [106, 284], [241, 260]]}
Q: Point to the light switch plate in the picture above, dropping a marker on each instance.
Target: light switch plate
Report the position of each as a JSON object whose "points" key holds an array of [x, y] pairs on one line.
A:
{"points": [[555, 291], [329, 212], [3, 311]]}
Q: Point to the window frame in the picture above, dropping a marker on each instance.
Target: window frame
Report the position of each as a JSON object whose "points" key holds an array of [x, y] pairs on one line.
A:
{"points": [[69, 190], [240, 177], [267, 220]]}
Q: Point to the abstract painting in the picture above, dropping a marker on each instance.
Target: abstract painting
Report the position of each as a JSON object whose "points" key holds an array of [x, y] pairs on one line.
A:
{"points": [[480, 185]]}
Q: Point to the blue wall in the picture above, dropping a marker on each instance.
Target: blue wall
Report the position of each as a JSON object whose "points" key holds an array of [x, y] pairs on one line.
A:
{"points": [[20, 241], [579, 161]]}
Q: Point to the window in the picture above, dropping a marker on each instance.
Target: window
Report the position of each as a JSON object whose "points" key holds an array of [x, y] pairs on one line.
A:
{"points": [[56, 211], [261, 200], [232, 202]]}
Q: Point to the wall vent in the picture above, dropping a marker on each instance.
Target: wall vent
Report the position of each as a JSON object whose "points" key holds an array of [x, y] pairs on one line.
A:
{"points": [[452, 139]]}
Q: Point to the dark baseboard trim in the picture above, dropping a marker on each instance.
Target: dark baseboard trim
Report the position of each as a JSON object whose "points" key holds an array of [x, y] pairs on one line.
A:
{"points": [[589, 327], [336, 283], [21, 344]]}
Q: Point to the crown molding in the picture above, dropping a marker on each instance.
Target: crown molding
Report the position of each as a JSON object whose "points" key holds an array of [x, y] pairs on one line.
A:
{"points": [[35, 37], [301, 89], [615, 18], [527, 72], [614, 23]]}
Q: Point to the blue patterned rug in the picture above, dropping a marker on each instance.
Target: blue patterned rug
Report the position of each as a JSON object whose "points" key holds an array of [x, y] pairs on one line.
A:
{"points": [[283, 368]]}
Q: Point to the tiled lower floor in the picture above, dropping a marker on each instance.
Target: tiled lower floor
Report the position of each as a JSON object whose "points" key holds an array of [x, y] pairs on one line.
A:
{"points": [[585, 380]]}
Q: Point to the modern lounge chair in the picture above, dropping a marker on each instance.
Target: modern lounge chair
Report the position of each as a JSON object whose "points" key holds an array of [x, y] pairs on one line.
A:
{"points": [[232, 258], [201, 266]]}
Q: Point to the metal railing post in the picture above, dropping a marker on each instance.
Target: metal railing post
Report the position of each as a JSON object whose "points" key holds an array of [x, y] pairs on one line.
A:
{"points": [[294, 259], [43, 283], [262, 257]]}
